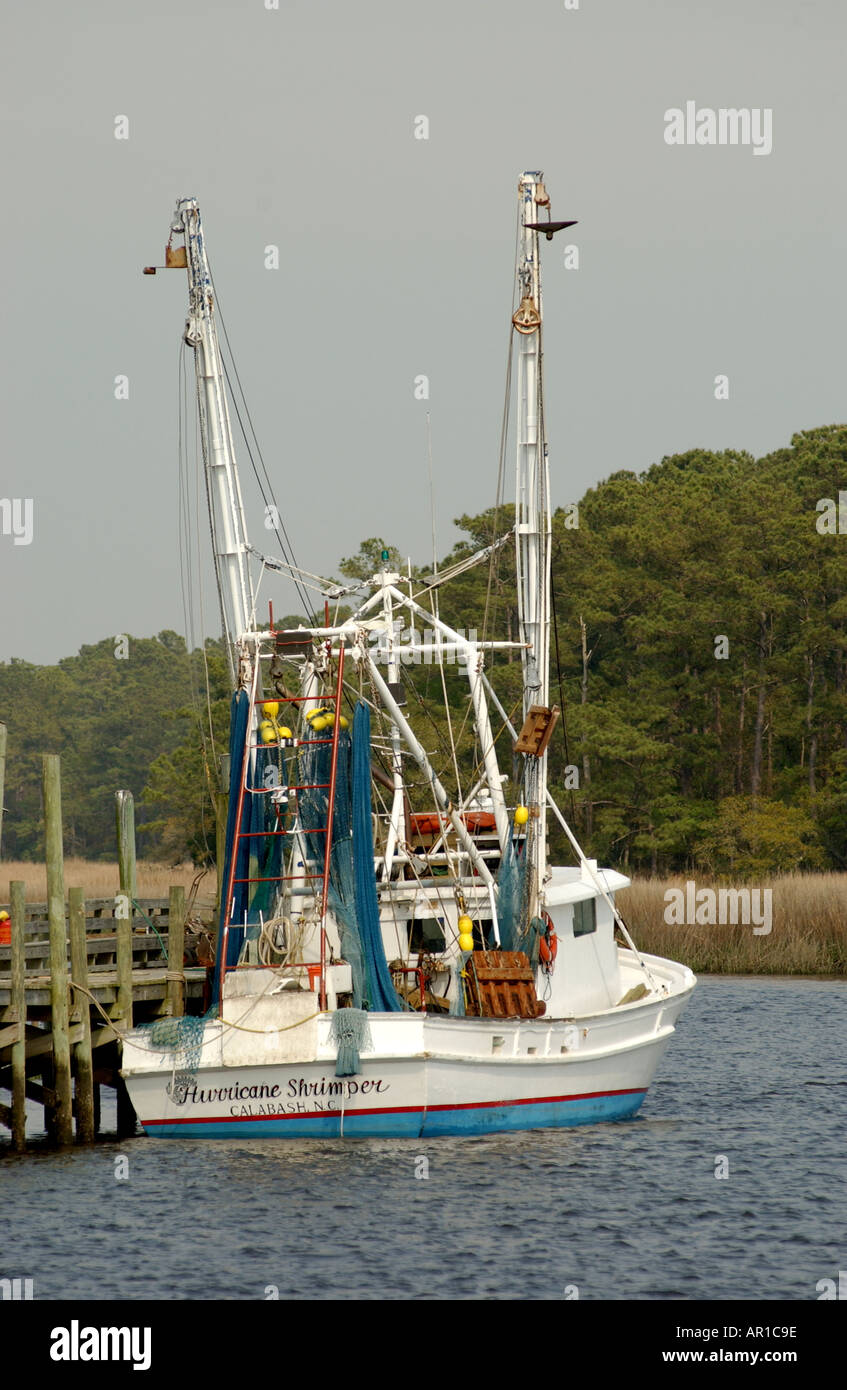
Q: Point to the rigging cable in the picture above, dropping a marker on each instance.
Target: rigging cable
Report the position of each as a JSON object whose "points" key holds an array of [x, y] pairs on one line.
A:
{"points": [[278, 525], [186, 547], [210, 778], [562, 704], [435, 609], [494, 569]]}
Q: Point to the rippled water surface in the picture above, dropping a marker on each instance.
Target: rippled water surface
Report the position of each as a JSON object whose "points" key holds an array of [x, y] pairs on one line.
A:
{"points": [[633, 1210]]}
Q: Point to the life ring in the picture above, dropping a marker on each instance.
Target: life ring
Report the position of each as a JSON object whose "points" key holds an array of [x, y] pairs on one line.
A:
{"points": [[548, 946]]}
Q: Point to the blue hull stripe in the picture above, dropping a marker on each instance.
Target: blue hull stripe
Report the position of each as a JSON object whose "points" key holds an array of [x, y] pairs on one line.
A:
{"points": [[476, 1118]]}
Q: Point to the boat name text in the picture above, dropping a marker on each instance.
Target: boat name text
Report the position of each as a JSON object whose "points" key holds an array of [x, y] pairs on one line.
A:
{"points": [[297, 1088]]}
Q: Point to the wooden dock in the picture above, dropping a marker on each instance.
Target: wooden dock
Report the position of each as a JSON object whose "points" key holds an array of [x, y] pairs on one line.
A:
{"points": [[114, 975], [75, 976]]}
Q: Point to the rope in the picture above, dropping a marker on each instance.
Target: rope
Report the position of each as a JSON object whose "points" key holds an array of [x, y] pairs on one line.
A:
{"points": [[433, 601], [119, 1032], [187, 538], [494, 568], [162, 946], [439, 577], [562, 704], [328, 588], [293, 938], [211, 778], [268, 1032], [279, 530], [225, 1023]]}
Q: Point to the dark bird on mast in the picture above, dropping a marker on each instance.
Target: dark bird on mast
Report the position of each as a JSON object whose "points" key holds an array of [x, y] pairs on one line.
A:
{"points": [[548, 228]]}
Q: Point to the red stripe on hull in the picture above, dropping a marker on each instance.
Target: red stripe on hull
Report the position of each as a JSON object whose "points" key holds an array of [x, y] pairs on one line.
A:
{"points": [[394, 1109]]}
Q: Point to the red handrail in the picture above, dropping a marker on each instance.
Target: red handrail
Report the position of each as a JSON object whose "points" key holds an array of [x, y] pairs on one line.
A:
{"points": [[414, 970], [330, 812]]}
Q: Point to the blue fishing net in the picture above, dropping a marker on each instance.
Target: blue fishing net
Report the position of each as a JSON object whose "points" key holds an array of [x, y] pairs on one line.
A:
{"points": [[314, 775], [517, 932], [184, 1038], [351, 1033]]}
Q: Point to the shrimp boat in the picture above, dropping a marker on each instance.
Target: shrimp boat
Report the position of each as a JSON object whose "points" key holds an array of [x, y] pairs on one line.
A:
{"points": [[396, 956]]}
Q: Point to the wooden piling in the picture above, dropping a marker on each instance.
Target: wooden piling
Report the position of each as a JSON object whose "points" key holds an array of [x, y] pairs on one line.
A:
{"points": [[32, 1029], [17, 895], [127, 1120], [52, 792], [125, 822], [123, 967], [176, 952], [81, 1012], [46, 1095]]}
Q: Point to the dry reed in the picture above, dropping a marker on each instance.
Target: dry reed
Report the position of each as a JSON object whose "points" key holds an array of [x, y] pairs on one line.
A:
{"points": [[100, 880], [808, 932], [808, 935]]}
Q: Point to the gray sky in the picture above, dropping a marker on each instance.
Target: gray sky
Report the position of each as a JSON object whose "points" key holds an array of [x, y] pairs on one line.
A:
{"points": [[295, 127]]}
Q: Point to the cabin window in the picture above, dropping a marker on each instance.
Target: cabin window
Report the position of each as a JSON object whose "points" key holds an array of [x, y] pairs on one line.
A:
{"points": [[426, 934], [585, 917], [483, 935]]}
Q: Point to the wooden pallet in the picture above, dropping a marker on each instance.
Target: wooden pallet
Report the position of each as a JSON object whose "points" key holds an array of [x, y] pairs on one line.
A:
{"points": [[501, 984]]}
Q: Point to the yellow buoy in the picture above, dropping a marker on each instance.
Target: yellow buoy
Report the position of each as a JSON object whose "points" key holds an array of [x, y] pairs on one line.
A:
{"points": [[521, 815], [329, 719], [345, 723], [271, 708], [319, 724], [268, 733], [284, 732], [466, 941]]}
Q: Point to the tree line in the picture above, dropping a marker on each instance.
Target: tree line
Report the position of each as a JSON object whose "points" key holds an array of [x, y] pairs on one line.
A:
{"points": [[699, 658]]}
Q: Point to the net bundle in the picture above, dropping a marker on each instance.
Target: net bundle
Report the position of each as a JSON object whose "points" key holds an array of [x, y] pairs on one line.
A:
{"points": [[183, 1037], [351, 1033]]}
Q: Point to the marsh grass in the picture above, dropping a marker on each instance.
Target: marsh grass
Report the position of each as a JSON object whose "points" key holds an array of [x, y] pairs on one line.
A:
{"points": [[808, 934], [100, 880]]}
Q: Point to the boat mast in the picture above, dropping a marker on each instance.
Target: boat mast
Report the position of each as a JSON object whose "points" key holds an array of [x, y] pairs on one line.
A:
{"points": [[223, 489], [398, 830], [532, 513]]}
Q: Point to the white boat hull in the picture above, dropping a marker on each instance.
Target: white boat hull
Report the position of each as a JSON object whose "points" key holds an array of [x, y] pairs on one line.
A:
{"points": [[424, 1075]]}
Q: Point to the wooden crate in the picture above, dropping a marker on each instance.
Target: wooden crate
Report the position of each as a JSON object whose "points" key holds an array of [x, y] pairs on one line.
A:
{"points": [[537, 730], [501, 984]]}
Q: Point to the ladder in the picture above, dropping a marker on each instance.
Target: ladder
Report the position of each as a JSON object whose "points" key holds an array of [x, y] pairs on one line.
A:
{"points": [[236, 880]]}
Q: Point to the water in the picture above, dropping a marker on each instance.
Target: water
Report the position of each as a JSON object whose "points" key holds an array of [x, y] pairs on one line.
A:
{"points": [[624, 1211]]}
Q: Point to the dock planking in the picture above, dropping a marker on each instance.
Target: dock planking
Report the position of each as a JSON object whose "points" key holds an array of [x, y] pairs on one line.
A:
{"points": [[153, 985], [74, 977]]}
